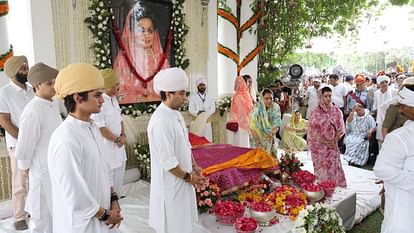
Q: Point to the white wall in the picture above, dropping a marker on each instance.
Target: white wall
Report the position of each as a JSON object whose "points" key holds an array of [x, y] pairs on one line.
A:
{"points": [[30, 30]]}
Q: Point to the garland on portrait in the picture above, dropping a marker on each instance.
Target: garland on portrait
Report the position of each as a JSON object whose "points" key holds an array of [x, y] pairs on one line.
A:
{"points": [[98, 23]]}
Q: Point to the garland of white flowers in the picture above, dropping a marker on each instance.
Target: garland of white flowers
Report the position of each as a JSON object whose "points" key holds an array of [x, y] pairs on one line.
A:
{"points": [[98, 24], [142, 153]]}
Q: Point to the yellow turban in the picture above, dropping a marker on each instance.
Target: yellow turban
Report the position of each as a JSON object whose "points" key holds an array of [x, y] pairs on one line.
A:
{"points": [[76, 78], [13, 65], [110, 77]]}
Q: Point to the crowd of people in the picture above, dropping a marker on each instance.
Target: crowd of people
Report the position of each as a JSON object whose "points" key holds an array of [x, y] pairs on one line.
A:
{"points": [[75, 166]]}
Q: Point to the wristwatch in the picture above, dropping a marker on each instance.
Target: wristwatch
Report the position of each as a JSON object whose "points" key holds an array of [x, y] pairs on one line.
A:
{"points": [[105, 216], [186, 176]]}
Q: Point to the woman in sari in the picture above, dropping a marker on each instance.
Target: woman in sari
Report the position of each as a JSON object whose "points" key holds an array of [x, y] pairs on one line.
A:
{"points": [[241, 106], [264, 122], [360, 127], [294, 132], [143, 48], [326, 127]]}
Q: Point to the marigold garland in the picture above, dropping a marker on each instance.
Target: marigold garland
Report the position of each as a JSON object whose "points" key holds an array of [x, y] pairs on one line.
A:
{"points": [[4, 8], [4, 57]]}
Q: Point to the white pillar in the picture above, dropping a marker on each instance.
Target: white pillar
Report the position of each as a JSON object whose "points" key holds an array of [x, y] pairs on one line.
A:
{"points": [[4, 46], [227, 36], [212, 50]]}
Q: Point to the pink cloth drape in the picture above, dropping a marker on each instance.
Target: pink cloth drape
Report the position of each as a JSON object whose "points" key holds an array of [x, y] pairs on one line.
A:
{"points": [[144, 60], [241, 104]]}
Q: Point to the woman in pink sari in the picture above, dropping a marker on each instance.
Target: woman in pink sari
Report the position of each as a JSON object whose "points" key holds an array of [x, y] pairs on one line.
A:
{"points": [[241, 106], [143, 47], [326, 127]]}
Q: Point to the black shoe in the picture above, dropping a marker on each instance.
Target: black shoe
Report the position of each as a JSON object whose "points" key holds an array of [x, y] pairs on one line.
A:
{"points": [[21, 225]]}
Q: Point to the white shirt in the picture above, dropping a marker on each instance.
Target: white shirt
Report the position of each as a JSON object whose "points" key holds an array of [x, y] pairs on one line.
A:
{"points": [[39, 119], [201, 102], [13, 99], [172, 205], [338, 93], [381, 103], [395, 166], [79, 177], [110, 118], [313, 99]]}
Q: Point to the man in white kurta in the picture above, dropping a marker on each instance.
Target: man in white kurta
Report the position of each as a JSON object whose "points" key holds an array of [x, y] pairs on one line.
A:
{"points": [[78, 172], [312, 96], [13, 98], [109, 122], [201, 102], [39, 119], [382, 98], [172, 206], [395, 166]]}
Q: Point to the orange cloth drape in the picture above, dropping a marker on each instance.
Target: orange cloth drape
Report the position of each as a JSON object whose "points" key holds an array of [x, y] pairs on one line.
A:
{"points": [[256, 158]]}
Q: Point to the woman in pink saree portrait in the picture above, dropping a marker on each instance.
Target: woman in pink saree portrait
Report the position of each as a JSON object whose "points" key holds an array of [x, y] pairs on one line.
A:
{"points": [[143, 48]]}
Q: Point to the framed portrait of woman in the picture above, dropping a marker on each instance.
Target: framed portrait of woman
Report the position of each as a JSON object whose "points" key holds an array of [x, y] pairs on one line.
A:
{"points": [[139, 51]]}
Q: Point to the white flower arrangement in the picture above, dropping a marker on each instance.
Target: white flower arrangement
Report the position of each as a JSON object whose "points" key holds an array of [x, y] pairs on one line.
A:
{"points": [[318, 218], [224, 104], [142, 153]]}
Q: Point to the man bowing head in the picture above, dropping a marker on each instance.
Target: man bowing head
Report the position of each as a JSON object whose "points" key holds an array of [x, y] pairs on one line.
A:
{"points": [[173, 171], [83, 199]]}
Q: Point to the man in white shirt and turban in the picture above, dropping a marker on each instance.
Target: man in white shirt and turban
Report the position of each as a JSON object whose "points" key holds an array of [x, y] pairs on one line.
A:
{"points": [[199, 103], [395, 166], [39, 119], [13, 98], [172, 207], [83, 199]]}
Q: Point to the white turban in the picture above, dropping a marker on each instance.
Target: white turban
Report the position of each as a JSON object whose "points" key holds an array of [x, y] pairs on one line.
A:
{"points": [[201, 81], [382, 78], [317, 80], [170, 79], [408, 81], [406, 97]]}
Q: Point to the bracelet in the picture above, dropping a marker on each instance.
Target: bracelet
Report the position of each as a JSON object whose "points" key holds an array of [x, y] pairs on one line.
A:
{"points": [[117, 140], [186, 176]]}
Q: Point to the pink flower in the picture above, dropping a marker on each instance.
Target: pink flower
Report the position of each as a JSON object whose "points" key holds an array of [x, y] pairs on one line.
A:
{"points": [[198, 190], [205, 193], [208, 202], [213, 193], [201, 203]]}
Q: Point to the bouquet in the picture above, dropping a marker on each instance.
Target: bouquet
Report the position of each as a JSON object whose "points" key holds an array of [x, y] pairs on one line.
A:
{"points": [[289, 163], [318, 218], [142, 153], [287, 200], [224, 104], [207, 195]]}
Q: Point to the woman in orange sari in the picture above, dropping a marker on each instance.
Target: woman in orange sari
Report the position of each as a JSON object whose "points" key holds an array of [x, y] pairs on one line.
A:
{"points": [[143, 48], [241, 106]]}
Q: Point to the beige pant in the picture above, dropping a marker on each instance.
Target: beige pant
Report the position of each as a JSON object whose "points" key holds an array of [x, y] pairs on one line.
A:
{"points": [[19, 187]]}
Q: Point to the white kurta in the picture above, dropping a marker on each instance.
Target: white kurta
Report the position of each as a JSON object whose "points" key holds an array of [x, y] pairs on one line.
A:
{"points": [[79, 177], [395, 166], [313, 99], [199, 102], [39, 119], [172, 206], [110, 118], [381, 103]]}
